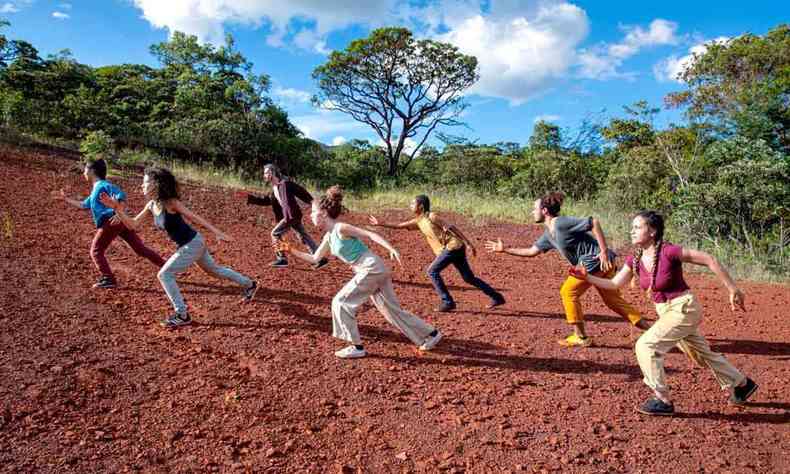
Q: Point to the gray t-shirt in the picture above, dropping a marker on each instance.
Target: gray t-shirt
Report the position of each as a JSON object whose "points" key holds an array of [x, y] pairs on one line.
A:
{"points": [[572, 239]]}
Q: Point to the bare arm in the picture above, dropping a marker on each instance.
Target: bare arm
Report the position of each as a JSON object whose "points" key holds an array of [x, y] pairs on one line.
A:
{"points": [[597, 232], [178, 206], [320, 253], [706, 260], [131, 223], [451, 228], [61, 195], [411, 225], [619, 280], [498, 247], [352, 231]]}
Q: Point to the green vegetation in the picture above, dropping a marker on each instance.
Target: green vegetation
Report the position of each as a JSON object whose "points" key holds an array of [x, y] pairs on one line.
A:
{"points": [[722, 177]]}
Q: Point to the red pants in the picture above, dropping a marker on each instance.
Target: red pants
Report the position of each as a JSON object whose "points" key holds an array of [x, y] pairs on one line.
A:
{"points": [[106, 234]]}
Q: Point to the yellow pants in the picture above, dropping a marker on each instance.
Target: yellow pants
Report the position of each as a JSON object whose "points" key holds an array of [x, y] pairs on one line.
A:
{"points": [[573, 289]]}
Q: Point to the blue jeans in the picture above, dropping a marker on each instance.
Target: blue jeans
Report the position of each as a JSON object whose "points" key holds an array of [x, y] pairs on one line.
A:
{"points": [[458, 259]]}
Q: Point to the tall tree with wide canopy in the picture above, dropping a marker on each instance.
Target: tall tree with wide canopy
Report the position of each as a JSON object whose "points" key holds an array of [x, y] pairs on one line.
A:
{"points": [[401, 87]]}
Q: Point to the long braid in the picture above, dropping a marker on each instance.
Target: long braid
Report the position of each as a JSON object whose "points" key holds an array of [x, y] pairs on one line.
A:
{"points": [[655, 268], [637, 260]]}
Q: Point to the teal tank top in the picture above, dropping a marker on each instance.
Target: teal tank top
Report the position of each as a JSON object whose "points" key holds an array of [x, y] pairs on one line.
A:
{"points": [[346, 249]]}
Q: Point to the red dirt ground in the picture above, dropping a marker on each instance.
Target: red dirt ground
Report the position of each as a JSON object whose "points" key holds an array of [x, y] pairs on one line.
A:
{"points": [[89, 382]]}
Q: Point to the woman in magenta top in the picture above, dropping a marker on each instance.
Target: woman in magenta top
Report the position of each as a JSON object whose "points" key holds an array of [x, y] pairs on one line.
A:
{"points": [[658, 268]]}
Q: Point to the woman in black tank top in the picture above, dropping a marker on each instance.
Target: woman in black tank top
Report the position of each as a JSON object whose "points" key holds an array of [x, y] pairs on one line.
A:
{"points": [[160, 186]]}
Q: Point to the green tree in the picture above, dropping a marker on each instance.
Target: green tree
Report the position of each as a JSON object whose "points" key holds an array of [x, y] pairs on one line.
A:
{"points": [[545, 137], [401, 87], [742, 85]]}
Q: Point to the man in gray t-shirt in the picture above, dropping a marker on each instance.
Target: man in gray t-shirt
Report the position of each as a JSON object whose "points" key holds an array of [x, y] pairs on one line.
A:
{"points": [[580, 241], [573, 240]]}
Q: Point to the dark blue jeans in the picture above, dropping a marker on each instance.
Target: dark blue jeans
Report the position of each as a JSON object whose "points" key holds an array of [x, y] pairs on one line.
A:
{"points": [[458, 259]]}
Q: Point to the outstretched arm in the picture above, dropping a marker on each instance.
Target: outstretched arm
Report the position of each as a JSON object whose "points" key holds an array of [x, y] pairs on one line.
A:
{"points": [[352, 231], [411, 225], [619, 280], [496, 246], [178, 206], [61, 195], [131, 223], [597, 232], [320, 253], [451, 228], [737, 299]]}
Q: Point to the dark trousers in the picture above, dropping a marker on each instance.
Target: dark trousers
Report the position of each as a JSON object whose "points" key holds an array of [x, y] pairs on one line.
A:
{"points": [[106, 234], [282, 227], [458, 259]]}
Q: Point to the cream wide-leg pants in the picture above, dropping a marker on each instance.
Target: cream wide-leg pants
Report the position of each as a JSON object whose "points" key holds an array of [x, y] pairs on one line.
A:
{"points": [[373, 280], [679, 320]]}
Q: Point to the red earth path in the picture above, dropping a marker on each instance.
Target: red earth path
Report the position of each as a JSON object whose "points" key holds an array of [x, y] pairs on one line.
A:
{"points": [[89, 382]]}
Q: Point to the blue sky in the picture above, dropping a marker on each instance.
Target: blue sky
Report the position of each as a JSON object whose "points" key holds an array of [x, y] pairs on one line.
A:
{"points": [[552, 59]]}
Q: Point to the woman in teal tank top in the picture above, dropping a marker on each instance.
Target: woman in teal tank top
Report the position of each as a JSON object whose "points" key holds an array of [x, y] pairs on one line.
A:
{"points": [[372, 279]]}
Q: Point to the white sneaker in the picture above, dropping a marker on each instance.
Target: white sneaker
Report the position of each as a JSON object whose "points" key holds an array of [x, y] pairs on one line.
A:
{"points": [[351, 352], [431, 342]]}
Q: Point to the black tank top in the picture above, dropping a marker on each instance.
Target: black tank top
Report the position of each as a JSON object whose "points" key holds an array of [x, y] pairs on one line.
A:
{"points": [[179, 231]]}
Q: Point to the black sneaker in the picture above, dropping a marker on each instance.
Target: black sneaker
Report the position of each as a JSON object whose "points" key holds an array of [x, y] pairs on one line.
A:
{"points": [[249, 293], [655, 407], [176, 320], [105, 283], [444, 308], [321, 263], [741, 394], [279, 263], [496, 302]]}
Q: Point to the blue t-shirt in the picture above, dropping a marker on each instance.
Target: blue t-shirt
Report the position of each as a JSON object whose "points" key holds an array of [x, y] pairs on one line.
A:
{"points": [[573, 240], [99, 211]]}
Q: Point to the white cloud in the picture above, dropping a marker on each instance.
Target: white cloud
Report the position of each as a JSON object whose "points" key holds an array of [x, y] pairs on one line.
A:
{"points": [[61, 15], [547, 118], [64, 6], [523, 48], [339, 140], [671, 68], [15, 6], [521, 51], [292, 95], [206, 18], [604, 61], [408, 145]]}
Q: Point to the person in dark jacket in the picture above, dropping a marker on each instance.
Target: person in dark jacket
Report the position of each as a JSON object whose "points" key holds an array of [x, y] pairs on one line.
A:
{"points": [[283, 200]]}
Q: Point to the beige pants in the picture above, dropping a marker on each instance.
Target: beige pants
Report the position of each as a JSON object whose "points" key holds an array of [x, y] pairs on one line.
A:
{"points": [[372, 280], [678, 322]]}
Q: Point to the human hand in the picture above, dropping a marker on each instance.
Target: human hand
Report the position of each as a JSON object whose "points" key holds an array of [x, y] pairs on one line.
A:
{"points": [[606, 264], [578, 272], [282, 246], [495, 246], [373, 220], [395, 255], [223, 236], [737, 299], [59, 194], [109, 201]]}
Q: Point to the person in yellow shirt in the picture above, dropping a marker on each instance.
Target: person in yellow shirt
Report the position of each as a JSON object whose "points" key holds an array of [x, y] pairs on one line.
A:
{"points": [[449, 244]]}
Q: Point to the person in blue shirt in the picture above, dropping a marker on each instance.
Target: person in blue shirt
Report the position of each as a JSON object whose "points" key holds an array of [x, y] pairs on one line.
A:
{"points": [[108, 225], [372, 279]]}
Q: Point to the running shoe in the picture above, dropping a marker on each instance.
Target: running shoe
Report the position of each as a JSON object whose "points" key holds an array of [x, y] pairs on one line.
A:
{"points": [[176, 320], [575, 340], [351, 352]]}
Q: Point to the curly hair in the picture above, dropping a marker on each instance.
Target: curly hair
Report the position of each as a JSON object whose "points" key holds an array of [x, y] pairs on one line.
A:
{"points": [[166, 186], [552, 202], [332, 201], [655, 221]]}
